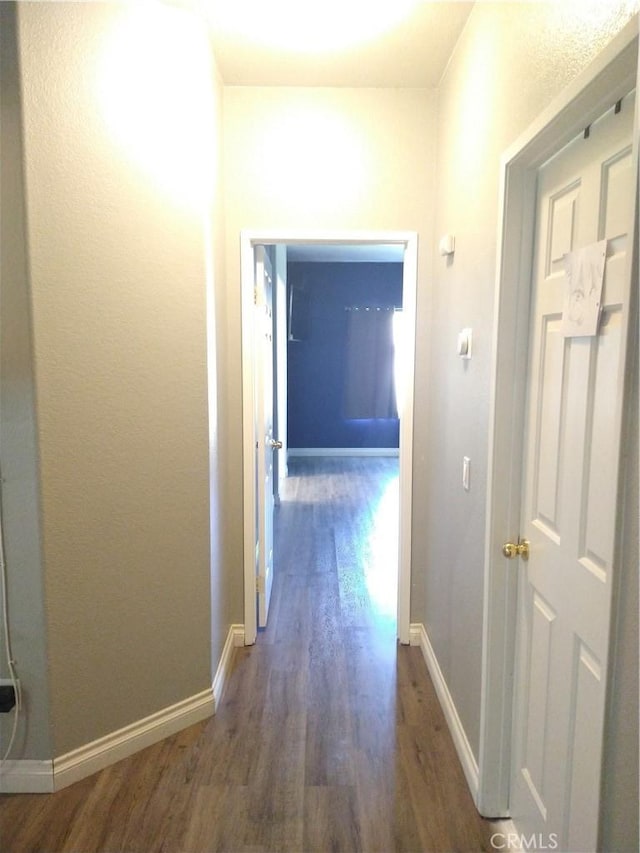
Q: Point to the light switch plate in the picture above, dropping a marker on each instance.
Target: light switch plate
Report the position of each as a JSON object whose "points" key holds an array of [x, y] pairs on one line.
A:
{"points": [[464, 343], [447, 245], [466, 473]]}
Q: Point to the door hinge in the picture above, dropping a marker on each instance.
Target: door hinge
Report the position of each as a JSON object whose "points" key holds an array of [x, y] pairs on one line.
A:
{"points": [[259, 585], [255, 295]]}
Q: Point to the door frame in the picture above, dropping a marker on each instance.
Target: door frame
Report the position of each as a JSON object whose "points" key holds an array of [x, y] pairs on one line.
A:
{"points": [[613, 74], [249, 239]]}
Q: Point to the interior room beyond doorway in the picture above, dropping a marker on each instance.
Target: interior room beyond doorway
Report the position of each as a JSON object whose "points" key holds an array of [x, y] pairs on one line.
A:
{"points": [[339, 504], [368, 251]]}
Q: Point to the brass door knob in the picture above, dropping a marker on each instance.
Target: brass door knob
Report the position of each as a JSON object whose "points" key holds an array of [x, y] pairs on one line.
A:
{"points": [[276, 445], [519, 549]]}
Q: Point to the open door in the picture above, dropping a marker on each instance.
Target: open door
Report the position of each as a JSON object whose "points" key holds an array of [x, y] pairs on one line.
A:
{"points": [[280, 367], [266, 445]]}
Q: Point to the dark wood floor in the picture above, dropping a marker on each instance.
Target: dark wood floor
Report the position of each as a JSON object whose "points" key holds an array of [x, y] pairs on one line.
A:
{"points": [[329, 737]]}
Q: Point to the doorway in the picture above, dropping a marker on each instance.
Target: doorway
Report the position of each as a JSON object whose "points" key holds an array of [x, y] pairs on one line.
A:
{"points": [[407, 244], [342, 427]]}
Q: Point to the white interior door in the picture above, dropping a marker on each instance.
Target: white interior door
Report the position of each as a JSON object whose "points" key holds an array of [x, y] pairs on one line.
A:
{"points": [[572, 451], [280, 349], [265, 443]]}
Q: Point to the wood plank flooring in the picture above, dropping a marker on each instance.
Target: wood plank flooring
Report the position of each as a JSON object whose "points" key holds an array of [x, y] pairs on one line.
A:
{"points": [[329, 737]]}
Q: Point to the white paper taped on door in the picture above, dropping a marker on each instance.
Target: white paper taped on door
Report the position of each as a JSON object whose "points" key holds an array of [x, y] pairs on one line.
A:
{"points": [[584, 275]]}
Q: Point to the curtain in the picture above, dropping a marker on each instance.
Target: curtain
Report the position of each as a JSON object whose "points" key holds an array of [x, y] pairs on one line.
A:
{"points": [[369, 390]]}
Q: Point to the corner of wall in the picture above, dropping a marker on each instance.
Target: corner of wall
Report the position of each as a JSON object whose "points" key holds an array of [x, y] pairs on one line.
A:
{"points": [[20, 484]]}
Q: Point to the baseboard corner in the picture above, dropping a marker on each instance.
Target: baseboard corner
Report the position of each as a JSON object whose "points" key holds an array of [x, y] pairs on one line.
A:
{"points": [[122, 743], [26, 776], [238, 635], [235, 639], [35, 777], [416, 630]]}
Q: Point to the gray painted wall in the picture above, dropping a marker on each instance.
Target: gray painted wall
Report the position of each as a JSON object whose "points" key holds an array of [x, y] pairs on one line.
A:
{"points": [[347, 159], [509, 63], [118, 282], [18, 456]]}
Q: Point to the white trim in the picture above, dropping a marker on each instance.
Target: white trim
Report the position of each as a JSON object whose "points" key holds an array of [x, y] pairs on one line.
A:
{"points": [[247, 284], [405, 409], [248, 240], [611, 76], [43, 777], [418, 637], [343, 451], [91, 757], [235, 638], [26, 777], [510, 838]]}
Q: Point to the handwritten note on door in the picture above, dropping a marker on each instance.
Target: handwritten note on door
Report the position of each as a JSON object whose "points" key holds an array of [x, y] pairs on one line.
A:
{"points": [[584, 270]]}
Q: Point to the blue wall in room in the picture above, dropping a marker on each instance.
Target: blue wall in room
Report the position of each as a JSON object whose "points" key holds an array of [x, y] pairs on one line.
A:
{"points": [[316, 364]]}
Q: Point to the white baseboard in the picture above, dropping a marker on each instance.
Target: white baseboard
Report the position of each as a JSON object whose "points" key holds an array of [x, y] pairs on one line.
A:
{"points": [[418, 637], [26, 777], [41, 777], [343, 451], [508, 839], [235, 638], [88, 759]]}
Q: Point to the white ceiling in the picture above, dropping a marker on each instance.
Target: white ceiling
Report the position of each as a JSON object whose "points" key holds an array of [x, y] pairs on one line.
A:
{"points": [[335, 42], [342, 253]]}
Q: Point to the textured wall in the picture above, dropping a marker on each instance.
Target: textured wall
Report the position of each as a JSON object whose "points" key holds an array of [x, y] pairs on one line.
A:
{"points": [[114, 144], [20, 503], [511, 60], [324, 159], [317, 364]]}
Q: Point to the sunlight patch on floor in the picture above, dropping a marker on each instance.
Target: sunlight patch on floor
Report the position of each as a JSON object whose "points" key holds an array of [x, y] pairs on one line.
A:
{"points": [[381, 566]]}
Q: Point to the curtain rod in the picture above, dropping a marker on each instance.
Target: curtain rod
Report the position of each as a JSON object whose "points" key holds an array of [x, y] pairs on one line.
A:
{"points": [[370, 308]]}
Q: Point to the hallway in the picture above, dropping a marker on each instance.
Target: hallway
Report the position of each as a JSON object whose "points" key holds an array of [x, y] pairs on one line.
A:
{"points": [[329, 737]]}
